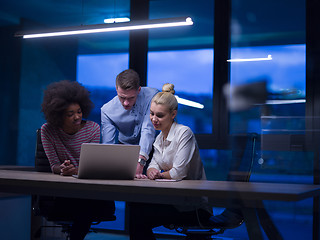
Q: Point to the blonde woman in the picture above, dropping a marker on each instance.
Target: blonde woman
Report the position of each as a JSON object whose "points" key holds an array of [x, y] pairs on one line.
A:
{"points": [[176, 156]]}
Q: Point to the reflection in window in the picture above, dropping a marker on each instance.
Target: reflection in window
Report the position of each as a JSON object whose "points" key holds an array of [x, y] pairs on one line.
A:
{"points": [[285, 79], [285, 73], [283, 156]]}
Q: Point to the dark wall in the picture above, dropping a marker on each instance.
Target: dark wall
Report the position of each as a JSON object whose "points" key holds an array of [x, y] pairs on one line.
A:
{"points": [[27, 67], [10, 52], [43, 61]]}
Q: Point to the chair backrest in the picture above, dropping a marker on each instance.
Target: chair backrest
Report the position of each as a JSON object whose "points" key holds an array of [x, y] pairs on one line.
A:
{"points": [[243, 148], [41, 160], [243, 153], [45, 206]]}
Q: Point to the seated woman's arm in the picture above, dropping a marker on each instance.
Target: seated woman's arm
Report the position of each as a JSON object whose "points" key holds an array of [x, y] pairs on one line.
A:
{"points": [[153, 173], [50, 152], [181, 159], [68, 169], [65, 168]]}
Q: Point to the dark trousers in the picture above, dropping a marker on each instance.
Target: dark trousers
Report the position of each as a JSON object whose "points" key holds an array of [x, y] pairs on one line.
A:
{"points": [[81, 212], [144, 217]]}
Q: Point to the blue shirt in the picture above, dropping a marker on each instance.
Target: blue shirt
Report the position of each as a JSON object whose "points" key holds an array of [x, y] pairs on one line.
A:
{"points": [[134, 126]]}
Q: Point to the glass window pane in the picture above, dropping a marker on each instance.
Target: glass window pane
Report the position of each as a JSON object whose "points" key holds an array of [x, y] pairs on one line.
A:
{"points": [[97, 72], [199, 35], [184, 56], [191, 71], [284, 73], [285, 80], [255, 33], [277, 31]]}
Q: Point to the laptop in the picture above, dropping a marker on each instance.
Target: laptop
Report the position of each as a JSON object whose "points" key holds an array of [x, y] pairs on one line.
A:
{"points": [[108, 161]]}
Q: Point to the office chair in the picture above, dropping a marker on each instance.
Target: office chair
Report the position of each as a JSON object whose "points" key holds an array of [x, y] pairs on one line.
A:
{"points": [[43, 205], [243, 153]]}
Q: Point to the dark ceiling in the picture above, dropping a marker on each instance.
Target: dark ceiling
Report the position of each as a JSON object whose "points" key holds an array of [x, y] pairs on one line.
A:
{"points": [[257, 22], [58, 13]]}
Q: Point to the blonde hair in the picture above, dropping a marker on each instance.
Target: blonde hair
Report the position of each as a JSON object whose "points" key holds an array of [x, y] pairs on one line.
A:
{"points": [[166, 97]]}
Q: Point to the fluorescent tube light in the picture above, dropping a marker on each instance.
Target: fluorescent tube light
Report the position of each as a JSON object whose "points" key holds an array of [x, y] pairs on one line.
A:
{"points": [[189, 103], [250, 59], [116, 20], [98, 28], [277, 102]]}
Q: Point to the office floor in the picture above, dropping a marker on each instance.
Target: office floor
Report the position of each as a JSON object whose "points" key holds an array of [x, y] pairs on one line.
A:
{"points": [[104, 236], [118, 236], [109, 236], [290, 228], [98, 236]]}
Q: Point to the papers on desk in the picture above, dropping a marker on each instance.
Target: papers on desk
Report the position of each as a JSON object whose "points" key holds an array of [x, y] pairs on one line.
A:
{"points": [[167, 180]]}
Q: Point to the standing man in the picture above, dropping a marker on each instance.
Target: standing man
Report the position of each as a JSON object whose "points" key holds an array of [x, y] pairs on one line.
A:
{"points": [[128, 115]]}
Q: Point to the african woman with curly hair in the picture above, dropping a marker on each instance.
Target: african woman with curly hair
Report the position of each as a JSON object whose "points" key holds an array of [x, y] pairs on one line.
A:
{"points": [[64, 105]]}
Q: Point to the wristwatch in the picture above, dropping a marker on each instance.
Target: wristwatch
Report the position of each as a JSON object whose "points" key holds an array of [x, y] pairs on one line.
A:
{"points": [[142, 162]]}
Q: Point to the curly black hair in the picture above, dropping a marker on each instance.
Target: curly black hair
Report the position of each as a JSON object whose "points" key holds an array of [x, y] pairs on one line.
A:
{"points": [[59, 95]]}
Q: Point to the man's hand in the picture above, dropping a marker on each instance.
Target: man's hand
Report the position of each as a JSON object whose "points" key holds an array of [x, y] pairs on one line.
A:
{"points": [[139, 172]]}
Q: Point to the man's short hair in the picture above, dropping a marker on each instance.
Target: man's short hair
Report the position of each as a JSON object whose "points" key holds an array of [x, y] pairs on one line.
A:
{"points": [[128, 79]]}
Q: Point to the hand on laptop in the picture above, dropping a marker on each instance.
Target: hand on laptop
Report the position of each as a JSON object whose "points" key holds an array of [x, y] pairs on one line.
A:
{"points": [[68, 169]]}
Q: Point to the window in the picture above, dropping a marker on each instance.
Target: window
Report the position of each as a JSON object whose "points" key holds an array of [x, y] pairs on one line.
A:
{"points": [[276, 29], [285, 80], [191, 71], [98, 73]]}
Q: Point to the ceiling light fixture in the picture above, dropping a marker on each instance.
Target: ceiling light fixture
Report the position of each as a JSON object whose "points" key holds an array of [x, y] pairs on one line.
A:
{"points": [[277, 102], [98, 28], [250, 59], [116, 20]]}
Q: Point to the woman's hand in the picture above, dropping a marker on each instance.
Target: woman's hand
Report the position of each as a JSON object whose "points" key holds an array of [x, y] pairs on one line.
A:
{"points": [[154, 174], [68, 169]]}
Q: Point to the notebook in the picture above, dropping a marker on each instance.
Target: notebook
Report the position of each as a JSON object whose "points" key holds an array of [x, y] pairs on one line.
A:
{"points": [[108, 161]]}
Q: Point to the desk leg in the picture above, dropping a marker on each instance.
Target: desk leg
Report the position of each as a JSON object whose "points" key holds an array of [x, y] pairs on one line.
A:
{"points": [[316, 219], [252, 223], [267, 224]]}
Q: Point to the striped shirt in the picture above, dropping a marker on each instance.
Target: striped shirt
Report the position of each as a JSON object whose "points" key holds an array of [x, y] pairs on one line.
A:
{"points": [[60, 146]]}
